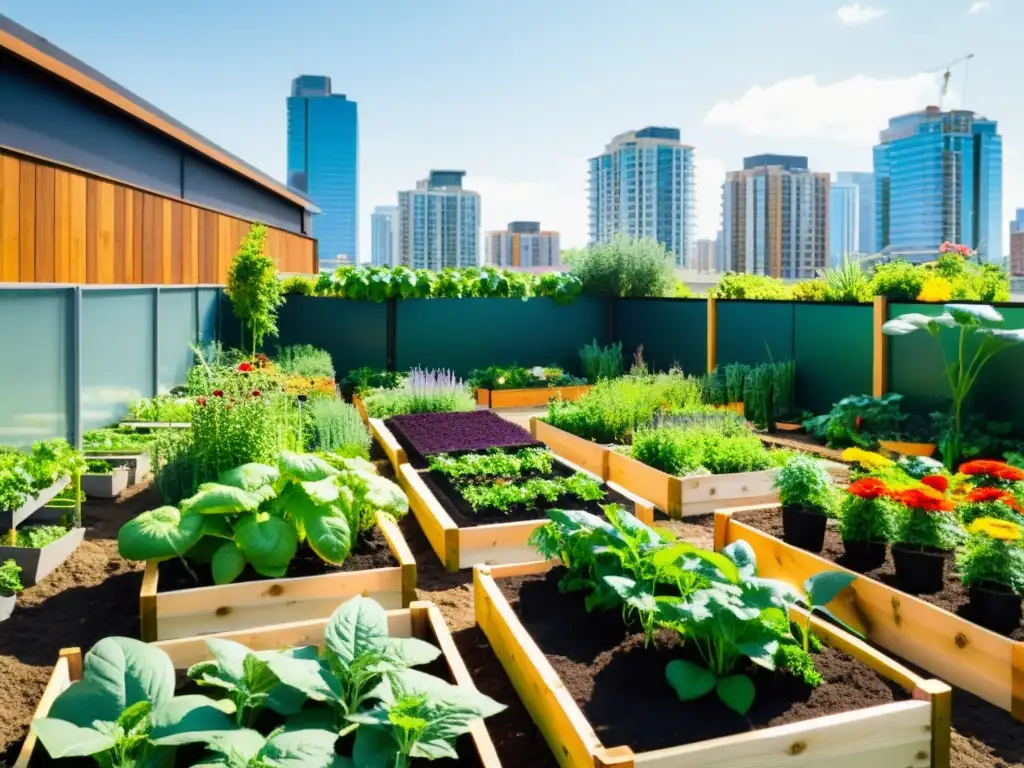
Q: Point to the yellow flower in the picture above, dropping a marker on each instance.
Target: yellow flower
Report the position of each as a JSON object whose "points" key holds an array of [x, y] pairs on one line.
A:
{"points": [[867, 459], [1003, 530], [936, 289]]}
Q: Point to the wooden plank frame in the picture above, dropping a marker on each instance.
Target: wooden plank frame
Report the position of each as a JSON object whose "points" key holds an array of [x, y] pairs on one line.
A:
{"points": [[966, 655], [497, 543], [534, 397], [360, 406], [420, 619], [906, 734], [228, 607], [387, 440]]}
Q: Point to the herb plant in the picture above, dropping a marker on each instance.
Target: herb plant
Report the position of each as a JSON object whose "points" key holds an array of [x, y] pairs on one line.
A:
{"points": [[601, 362], [503, 496], [305, 360], [494, 463], [804, 482], [38, 536], [335, 426], [10, 578], [993, 553], [422, 391], [694, 450], [735, 380]]}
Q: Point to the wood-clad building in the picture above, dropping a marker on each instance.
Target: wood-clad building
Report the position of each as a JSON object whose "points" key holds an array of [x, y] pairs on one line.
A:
{"points": [[98, 186]]}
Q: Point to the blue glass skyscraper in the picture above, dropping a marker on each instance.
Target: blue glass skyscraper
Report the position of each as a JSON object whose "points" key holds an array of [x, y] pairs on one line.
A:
{"points": [[323, 162], [939, 177]]}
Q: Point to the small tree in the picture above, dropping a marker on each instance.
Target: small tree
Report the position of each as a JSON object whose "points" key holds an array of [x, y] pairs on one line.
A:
{"points": [[625, 267], [253, 286]]}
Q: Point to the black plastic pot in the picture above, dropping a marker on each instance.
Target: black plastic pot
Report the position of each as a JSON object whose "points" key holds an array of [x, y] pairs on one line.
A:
{"points": [[804, 528], [995, 607], [863, 556], [919, 570]]}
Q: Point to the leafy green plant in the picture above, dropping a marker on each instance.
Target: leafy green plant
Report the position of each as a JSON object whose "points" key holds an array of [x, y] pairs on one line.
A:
{"points": [[784, 390], [624, 267], [253, 287], [335, 426], [809, 290], [735, 379], [305, 360], [898, 281], [696, 450], [10, 578], [361, 380], [758, 406], [98, 467], [39, 536], [804, 482], [422, 391], [858, 420], [601, 362], [976, 322], [494, 464], [502, 496], [992, 553], [119, 439], [162, 408], [733, 285], [297, 285], [847, 282]]}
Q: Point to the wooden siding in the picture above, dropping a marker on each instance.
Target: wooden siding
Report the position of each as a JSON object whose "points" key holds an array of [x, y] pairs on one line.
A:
{"points": [[60, 226]]}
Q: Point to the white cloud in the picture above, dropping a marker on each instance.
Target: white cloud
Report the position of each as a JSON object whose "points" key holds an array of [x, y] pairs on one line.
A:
{"points": [[979, 6], [708, 190], [855, 14], [851, 110]]}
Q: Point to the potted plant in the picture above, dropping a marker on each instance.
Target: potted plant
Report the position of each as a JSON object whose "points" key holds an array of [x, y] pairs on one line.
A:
{"points": [[926, 534], [10, 586], [910, 435], [866, 524], [991, 566], [807, 498]]}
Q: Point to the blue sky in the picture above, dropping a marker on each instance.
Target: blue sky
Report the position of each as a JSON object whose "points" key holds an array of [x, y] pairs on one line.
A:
{"points": [[520, 93]]}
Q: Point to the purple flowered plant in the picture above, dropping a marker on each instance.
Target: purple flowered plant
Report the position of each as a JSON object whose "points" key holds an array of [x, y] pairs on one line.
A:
{"points": [[422, 391], [426, 434]]}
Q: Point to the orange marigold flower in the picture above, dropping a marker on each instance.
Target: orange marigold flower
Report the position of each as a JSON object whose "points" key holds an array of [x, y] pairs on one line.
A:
{"points": [[868, 488], [925, 499], [939, 482], [999, 469], [982, 495]]}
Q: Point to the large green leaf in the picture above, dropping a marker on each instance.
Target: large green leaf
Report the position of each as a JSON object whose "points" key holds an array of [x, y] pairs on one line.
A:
{"points": [[65, 739], [742, 554], [384, 495], [974, 314], [635, 595], [187, 720], [375, 747], [217, 499], [737, 693], [227, 563], [355, 628], [249, 477], [328, 534], [313, 677], [822, 588], [125, 671], [269, 542], [689, 681], [304, 466], [306, 748], [158, 535]]}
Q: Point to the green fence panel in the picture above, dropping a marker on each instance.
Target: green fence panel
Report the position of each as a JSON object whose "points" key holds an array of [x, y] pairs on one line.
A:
{"points": [[36, 350], [118, 352], [833, 352], [672, 331], [754, 332], [463, 334], [916, 369]]}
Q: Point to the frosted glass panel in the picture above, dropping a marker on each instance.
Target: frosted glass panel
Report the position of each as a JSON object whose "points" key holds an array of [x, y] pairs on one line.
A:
{"points": [[35, 365], [209, 300], [177, 334], [117, 353]]}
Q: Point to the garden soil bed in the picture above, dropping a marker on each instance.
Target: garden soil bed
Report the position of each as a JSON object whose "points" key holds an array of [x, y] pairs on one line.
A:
{"points": [[428, 434], [801, 441], [952, 598], [464, 516], [620, 685], [372, 552]]}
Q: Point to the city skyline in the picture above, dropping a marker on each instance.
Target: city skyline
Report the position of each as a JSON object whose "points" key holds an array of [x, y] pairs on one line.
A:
{"points": [[807, 100]]}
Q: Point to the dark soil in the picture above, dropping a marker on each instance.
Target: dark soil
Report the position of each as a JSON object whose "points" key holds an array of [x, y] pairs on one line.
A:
{"points": [[620, 685], [953, 597], [428, 434], [464, 516], [372, 552], [801, 441]]}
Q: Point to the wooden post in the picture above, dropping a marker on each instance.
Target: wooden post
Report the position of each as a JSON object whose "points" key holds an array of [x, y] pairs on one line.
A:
{"points": [[712, 333], [941, 697], [880, 377], [74, 658]]}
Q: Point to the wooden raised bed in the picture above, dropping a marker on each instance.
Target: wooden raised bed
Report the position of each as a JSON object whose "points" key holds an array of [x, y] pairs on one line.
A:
{"points": [[906, 734], [966, 655], [387, 440], [12, 519], [420, 619], [228, 607], [38, 563], [534, 397], [360, 406], [496, 543]]}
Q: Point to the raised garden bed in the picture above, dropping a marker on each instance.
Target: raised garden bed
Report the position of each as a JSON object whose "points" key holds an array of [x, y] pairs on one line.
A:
{"points": [[105, 485], [360, 406], [534, 397], [12, 519], [389, 444], [146, 426], [422, 620], [574, 672], [135, 461], [926, 630], [39, 562], [462, 538], [421, 435], [186, 611]]}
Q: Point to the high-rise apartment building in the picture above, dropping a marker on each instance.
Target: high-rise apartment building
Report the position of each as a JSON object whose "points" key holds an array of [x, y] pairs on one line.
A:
{"points": [[704, 258], [1017, 244], [775, 218], [939, 177], [383, 235], [642, 186], [866, 204], [843, 222], [523, 244], [438, 223], [323, 162]]}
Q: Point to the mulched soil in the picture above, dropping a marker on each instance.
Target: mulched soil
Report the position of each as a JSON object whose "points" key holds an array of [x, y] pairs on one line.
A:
{"points": [[427, 434], [620, 685], [372, 552], [464, 516]]}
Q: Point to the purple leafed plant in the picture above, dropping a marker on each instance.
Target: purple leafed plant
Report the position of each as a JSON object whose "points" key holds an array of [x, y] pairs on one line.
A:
{"points": [[426, 434]]}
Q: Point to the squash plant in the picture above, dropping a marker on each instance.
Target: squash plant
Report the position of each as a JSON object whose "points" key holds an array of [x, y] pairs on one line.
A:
{"points": [[123, 712], [259, 515]]}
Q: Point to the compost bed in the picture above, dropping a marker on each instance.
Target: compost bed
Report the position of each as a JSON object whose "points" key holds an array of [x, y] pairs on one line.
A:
{"points": [[371, 552]]}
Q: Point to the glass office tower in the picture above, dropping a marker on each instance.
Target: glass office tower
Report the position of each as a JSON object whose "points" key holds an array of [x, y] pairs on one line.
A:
{"points": [[939, 177], [323, 162]]}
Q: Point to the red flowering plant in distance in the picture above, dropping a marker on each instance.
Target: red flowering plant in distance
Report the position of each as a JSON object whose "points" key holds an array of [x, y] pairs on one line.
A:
{"points": [[245, 367], [990, 502], [867, 522], [939, 482], [992, 473]]}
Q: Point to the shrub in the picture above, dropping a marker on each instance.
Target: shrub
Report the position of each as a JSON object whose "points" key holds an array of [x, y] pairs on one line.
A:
{"points": [[699, 450], [336, 427], [810, 290], [734, 285], [624, 267], [681, 290], [804, 482], [253, 287], [305, 360], [848, 282], [898, 280], [601, 362], [297, 285]]}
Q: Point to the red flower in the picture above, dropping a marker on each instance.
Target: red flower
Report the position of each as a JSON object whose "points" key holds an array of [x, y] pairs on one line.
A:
{"points": [[999, 469], [201, 400], [857, 422], [925, 499], [983, 495], [245, 367], [218, 393], [256, 393], [868, 488], [939, 482]]}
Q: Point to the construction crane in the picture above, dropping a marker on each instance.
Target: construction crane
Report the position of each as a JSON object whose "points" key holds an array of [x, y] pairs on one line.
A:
{"points": [[948, 73]]}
